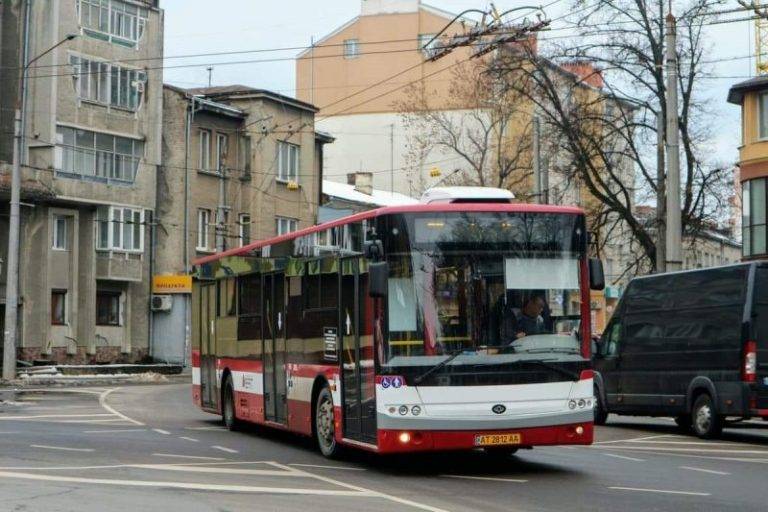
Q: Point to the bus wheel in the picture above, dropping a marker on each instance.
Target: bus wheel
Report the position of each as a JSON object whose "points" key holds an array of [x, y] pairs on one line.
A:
{"points": [[601, 415], [324, 424], [228, 406], [705, 421]]}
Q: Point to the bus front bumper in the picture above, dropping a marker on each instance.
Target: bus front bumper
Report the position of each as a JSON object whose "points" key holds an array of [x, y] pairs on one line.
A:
{"points": [[398, 441]]}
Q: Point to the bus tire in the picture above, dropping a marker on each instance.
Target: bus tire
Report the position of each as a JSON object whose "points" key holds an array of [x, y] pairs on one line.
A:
{"points": [[704, 419], [601, 414], [325, 431], [228, 406]]}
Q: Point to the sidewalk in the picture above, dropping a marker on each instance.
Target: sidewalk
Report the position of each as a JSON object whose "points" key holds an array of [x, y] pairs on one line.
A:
{"points": [[97, 375]]}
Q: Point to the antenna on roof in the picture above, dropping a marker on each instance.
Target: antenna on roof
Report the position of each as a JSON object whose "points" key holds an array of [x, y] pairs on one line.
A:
{"points": [[210, 74]]}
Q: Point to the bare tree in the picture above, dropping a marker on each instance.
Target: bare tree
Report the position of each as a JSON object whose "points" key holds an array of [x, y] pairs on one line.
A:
{"points": [[604, 132], [481, 126]]}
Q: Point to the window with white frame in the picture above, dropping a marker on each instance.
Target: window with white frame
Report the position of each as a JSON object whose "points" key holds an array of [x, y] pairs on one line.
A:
{"points": [[84, 153], [119, 229], [245, 228], [288, 161], [108, 84], [205, 150], [351, 48], [221, 151], [285, 225], [203, 229], [59, 232], [113, 20]]}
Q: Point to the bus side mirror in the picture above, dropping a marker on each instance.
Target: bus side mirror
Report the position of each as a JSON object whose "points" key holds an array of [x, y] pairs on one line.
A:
{"points": [[378, 279], [374, 250], [596, 274]]}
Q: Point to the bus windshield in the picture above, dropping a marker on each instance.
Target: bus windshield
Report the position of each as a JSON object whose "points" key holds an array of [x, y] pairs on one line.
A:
{"points": [[494, 287]]}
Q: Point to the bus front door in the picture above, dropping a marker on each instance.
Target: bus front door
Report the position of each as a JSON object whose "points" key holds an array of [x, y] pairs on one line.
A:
{"points": [[207, 330], [358, 371], [275, 386]]}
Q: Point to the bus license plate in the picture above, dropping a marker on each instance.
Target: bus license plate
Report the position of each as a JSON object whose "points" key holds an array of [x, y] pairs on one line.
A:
{"points": [[497, 439]]}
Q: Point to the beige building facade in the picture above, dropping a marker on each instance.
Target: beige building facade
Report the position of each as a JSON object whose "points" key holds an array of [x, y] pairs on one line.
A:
{"points": [[91, 148]]}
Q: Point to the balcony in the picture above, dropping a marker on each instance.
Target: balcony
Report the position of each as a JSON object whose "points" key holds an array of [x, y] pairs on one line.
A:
{"points": [[118, 266]]}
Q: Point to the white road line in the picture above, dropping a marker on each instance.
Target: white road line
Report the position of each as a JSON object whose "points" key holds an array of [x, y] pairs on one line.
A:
{"points": [[710, 471], [161, 431], [345, 468], [701, 443], [192, 439], [63, 448], [623, 457], [198, 457], [223, 471], [205, 428], [661, 491], [698, 450], [51, 416], [115, 431], [187, 485], [224, 449], [634, 439], [103, 403], [488, 478]]}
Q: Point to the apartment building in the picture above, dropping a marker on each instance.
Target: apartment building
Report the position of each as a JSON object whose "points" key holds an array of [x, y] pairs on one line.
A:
{"points": [[239, 164], [91, 147]]}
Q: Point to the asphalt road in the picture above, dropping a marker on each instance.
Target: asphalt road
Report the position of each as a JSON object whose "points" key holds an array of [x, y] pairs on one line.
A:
{"points": [[148, 448]]}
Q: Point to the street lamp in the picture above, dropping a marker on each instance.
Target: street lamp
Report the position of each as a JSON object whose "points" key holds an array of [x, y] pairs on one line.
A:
{"points": [[12, 269]]}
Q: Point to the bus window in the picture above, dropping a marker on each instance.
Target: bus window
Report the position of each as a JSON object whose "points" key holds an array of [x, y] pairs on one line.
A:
{"points": [[249, 313]]}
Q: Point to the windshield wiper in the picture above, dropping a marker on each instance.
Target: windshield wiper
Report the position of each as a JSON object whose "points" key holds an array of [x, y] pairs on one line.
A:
{"points": [[544, 364], [438, 366]]}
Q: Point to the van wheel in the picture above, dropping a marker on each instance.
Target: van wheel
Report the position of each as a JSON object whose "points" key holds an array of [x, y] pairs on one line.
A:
{"points": [[228, 406], [704, 419], [325, 431], [601, 414]]}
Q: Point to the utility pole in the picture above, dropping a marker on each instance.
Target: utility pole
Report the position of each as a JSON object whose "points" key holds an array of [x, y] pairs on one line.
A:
{"points": [[537, 182], [674, 248], [210, 75], [661, 199], [392, 158]]}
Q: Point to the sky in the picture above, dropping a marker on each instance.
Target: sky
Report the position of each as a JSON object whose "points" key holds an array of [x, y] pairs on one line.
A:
{"points": [[195, 27]]}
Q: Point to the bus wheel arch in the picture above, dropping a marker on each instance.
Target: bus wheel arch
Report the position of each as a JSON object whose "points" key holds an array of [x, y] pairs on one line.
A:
{"points": [[319, 383], [228, 406], [323, 415]]}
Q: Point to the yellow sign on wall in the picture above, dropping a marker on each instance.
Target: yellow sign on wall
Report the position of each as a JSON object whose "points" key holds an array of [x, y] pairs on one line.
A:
{"points": [[172, 284]]}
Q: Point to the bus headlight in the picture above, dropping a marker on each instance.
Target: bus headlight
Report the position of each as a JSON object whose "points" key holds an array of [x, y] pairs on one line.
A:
{"points": [[572, 404], [403, 410], [415, 410], [582, 403]]}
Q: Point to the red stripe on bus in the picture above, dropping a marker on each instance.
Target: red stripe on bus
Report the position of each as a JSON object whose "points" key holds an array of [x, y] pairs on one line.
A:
{"points": [[239, 365], [196, 358]]}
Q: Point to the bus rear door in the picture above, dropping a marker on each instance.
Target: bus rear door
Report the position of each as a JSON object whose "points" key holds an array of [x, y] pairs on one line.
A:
{"points": [[275, 385], [207, 330]]}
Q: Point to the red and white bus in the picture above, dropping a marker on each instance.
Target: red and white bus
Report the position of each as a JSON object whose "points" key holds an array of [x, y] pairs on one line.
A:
{"points": [[455, 324]]}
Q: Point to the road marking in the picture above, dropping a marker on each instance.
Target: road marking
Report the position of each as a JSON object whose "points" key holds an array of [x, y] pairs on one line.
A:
{"points": [[711, 471], [489, 478], [51, 416], [346, 468], [222, 448], [661, 491], [63, 448], [699, 450], [206, 428], [186, 456], [368, 492], [192, 439], [634, 439], [187, 485], [161, 431], [115, 431], [623, 457], [701, 443], [103, 403], [223, 471]]}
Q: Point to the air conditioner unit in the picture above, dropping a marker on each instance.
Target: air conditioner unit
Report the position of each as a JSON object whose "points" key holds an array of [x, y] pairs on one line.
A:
{"points": [[162, 302]]}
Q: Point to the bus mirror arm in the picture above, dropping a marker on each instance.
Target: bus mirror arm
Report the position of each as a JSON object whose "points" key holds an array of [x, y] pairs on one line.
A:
{"points": [[378, 279], [596, 274]]}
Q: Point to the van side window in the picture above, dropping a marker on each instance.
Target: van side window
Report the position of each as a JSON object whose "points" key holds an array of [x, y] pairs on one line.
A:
{"points": [[614, 337]]}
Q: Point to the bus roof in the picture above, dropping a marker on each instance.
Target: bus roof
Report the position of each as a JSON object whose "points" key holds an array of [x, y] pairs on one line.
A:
{"points": [[388, 210]]}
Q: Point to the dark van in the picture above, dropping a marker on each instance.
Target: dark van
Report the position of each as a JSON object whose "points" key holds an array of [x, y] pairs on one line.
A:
{"points": [[692, 345]]}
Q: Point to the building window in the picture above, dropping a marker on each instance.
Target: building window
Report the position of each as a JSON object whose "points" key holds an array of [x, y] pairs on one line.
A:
{"points": [[59, 232], [108, 308], [203, 229], [245, 229], [221, 152], [108, 84], [426, 50], [762, 100], [113, 20], [205, 150], [99, 156], [288, 162], [351, 48], [754, 217], [119, 229], [284, 225], [58, 307]]}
